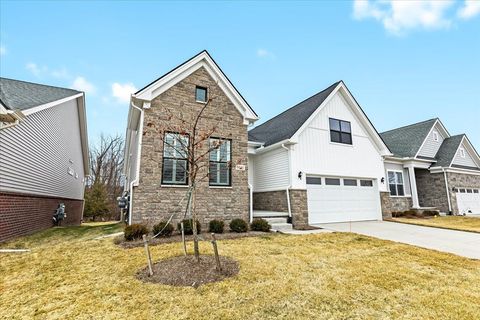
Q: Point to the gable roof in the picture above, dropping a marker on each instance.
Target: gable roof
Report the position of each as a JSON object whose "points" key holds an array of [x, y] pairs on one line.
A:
{"points": [[448, 150], [202, 59], [284, 125], [407, 140], [22, 95]]}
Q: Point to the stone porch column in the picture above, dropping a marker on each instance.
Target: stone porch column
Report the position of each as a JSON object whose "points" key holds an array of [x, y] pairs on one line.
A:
{"points": [[413, 186]]}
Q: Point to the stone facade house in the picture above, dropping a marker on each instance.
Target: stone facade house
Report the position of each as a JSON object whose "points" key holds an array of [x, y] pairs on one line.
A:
{"points": [[430, 169], [43, 156], [159, 124]]}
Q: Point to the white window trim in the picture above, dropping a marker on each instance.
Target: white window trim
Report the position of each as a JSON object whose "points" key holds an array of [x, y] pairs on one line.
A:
{"points": [[397, 184]]}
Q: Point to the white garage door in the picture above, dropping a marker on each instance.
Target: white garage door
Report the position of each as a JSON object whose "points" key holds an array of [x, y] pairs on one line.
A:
{"points": [[468, 201], [332, 199]]}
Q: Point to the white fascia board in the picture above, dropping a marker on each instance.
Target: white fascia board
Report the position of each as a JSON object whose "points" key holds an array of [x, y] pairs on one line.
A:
{"points": [[279, 144], [82, 115], [51, 104], [454, 170], [180, 73]]}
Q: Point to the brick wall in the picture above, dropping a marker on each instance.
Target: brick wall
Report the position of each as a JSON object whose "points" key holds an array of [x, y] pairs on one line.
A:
{"points": [[458, 180], [394, 204], [153, 202], [24, 214], [270, 201]]}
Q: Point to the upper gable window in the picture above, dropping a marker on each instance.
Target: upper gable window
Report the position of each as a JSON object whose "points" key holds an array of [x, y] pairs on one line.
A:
{"points": [[201, 94], [340, 131], [462, 152], [435, 136]]}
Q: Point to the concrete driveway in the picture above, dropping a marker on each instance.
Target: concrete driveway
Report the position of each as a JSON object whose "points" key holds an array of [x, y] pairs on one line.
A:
{"points": [[466, 244]]}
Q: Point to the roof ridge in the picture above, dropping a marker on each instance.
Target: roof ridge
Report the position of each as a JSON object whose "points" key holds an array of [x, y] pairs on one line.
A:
{"points": [[278, 115], [40, 84], [410, 125]]}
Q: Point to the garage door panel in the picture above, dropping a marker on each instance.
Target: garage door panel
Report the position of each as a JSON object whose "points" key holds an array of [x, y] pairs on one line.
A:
{"points": [[328, 204], [468, 201]]}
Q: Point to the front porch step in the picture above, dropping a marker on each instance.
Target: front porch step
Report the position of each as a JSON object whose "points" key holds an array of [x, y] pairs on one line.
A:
{"points": [[279, 227], [268, 214], [276, 220]]}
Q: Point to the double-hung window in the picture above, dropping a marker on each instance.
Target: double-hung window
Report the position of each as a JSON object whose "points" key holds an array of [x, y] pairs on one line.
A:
{"points": [[175, 164], [395, 182], [220, 172], [340, 131]]}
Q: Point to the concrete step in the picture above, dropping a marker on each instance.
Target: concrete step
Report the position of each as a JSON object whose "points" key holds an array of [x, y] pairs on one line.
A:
{"points": [[268, 214], [276, 220], [281, 226]]}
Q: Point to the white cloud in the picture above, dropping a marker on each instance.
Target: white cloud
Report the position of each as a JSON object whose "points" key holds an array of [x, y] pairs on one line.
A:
{"points": [[35, 69], [470, 9], [61, 73], [122, 92], [3, 50], [263, 53], [81, 84], [398, 17]]}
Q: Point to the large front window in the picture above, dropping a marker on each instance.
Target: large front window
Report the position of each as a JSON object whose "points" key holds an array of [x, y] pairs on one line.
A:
{"points": [[175, 164], [395, 181], [340, 131], [220, 160]]}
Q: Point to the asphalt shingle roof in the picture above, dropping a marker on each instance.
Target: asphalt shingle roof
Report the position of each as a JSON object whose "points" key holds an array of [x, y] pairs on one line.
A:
{"points": [[406, 141], [447, 150], [22, 95], [284, 125]]}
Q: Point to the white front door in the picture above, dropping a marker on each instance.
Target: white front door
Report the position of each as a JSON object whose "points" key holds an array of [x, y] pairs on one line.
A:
{"points": [[335, 199], [468, 201]]}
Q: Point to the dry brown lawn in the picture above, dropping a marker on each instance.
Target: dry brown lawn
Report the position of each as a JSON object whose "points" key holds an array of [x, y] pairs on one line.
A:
{"points": [[67, 275], [461, 223]]}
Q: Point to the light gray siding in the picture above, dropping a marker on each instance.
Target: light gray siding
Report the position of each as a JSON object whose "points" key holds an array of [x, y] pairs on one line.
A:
{"points": [[467, 161], [431, 147], [43, 154], [271, 170]]}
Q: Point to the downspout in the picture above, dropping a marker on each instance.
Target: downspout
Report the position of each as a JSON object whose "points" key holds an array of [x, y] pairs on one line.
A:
{"points": [[289, 186], [251, 202], [137, 169], [448, 191]]}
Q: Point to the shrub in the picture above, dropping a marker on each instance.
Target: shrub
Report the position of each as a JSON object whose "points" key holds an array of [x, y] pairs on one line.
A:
{"points": [[216, 226], [188, 226], [164, 228], [260, 225], [238, 225], [396, 214], [135, 232], [430, 213]]}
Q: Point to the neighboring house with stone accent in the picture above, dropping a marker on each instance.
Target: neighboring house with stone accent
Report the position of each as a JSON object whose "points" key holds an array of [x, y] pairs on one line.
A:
{"points": [[430, 169], [43, 156], [320, 161], [156, 178]]}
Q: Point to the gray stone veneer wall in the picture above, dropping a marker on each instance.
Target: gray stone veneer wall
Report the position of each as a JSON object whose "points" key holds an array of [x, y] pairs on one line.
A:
{"points": [[153, 202], [431, 190], [299, 207], [394, 204], [270, 201]]}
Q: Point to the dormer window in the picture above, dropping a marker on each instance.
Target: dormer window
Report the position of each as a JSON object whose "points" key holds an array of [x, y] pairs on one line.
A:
{"points": [[435, 136], [201, 94], [462, 152]]}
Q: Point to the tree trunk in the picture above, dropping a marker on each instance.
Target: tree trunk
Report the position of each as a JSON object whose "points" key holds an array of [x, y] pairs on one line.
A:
{"points": [[194, 228]]}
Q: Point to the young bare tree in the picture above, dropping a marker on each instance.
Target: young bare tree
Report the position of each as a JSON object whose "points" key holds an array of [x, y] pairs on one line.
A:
{"points": [[192, 142]]}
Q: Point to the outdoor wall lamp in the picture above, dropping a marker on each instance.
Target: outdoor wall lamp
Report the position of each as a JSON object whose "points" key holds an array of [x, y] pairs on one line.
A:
{"points": [[382, 180], [300, 173]]}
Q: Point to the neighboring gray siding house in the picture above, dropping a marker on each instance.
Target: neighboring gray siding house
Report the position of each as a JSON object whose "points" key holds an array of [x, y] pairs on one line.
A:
{"points": [[431, 169], [43, 155]]}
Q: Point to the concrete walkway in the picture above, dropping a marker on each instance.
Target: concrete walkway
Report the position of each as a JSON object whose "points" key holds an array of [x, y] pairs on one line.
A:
{"points": [[466, 244]]}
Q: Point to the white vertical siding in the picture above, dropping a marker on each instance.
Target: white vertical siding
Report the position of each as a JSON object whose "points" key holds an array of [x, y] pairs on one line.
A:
{"points": [[406, 178], [271, 170], [316, 154], [467, 161], [37, 155], [430, 146]]}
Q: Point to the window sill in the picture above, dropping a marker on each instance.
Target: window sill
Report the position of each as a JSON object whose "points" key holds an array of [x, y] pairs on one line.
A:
{"points": [[405, 196], [220, 187], [173, 186], [341, 144], [202, 102]]}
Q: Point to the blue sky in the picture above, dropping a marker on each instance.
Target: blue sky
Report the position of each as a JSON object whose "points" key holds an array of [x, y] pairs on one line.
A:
{"points": [[403, 61]]}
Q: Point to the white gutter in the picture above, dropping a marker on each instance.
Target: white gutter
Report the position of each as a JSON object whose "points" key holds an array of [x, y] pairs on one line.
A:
{"points": [[251, 202], [137, 169], [448, 190], [273, 146]]}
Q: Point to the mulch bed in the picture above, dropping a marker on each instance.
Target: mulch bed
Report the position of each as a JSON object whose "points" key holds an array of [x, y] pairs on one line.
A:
{"points": [[184, 271], [178, 238]]}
